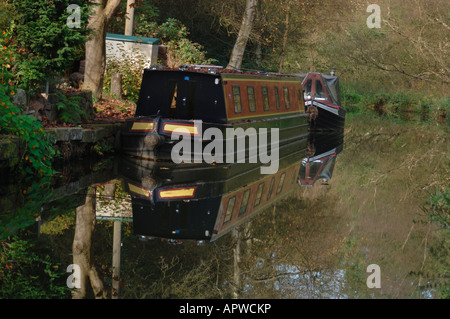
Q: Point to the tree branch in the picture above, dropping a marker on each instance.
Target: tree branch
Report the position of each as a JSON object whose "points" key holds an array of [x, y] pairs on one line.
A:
{"points": [[110, 8]]}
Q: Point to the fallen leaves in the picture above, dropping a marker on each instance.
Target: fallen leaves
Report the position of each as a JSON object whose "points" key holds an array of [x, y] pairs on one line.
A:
{"points": [[114, 109], [105, 110]]}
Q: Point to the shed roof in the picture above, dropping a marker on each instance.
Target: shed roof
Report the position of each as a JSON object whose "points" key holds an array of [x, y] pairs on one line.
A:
{"points": [[129, 38]]}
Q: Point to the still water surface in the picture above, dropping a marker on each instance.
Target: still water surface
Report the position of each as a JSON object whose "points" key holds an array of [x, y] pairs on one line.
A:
{"points": [[141, 229]]}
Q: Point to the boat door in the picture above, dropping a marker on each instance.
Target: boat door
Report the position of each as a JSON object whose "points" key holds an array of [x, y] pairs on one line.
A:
{"points": [[181, 97]]}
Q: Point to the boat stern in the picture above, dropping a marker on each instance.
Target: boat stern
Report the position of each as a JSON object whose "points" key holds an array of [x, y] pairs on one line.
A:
{"points": [[151, 137]]}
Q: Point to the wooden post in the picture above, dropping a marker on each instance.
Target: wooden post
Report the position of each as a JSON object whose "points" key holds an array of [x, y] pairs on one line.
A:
{"points": [[116, 85]]}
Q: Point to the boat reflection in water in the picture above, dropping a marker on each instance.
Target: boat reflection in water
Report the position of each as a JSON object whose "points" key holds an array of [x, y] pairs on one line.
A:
{"points": [[201, 202], [185, 202], [320, 158]]}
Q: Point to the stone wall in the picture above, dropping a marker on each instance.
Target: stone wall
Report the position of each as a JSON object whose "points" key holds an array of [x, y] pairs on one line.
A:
{"points": [[71, 142], [44, 106]]}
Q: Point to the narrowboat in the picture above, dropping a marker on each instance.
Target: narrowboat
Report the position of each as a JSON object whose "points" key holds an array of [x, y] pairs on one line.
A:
{"points": [[203, 202], [190, 100], [322, 101], [320, 159]]}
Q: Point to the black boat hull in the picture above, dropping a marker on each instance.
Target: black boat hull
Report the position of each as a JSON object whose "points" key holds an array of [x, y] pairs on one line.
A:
{"points": [[327, 118], [291, 129]]}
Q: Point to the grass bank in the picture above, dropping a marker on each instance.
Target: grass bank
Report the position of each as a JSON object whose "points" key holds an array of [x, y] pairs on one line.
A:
{"points": [[403, 106]]}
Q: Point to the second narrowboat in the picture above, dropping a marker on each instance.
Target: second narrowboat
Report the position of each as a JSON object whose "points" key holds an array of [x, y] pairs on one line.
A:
{"points": [[322, 101]]}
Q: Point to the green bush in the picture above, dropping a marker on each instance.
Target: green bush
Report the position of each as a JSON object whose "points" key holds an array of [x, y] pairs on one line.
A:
{"points": [[42, 44], [171, 30], [174, 35], [27, 274], [185, 52], [131, 70], [39, 151], [6, 15], [404, 106], [351, 100], [69, 108]]}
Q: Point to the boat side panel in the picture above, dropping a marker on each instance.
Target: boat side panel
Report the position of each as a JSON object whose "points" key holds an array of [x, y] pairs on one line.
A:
{"points": [[275, 109]]}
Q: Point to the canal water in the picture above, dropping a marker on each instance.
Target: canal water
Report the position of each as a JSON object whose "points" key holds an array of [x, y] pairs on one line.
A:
{"points": [[345, 216]]}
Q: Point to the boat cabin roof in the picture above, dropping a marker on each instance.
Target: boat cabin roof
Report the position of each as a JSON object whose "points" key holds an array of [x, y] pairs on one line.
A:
{"points": [[218, 95], [328, 83]]}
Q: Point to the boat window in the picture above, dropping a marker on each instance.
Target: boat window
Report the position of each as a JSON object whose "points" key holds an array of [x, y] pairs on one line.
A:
{"points": [[280, 185], [265, 94], [251, 98], [307, 89], [320, 92], [237, 99], [277, 97], [244, 202], [230, 208], [315, 168], [259, 194], [286, 97], [271, 188]]}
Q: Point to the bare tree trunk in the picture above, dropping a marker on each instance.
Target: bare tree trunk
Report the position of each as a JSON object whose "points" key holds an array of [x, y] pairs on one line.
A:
{"points": [[103, 10], [84, 228], [244, 32], [129, 22], [285, 38]]}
